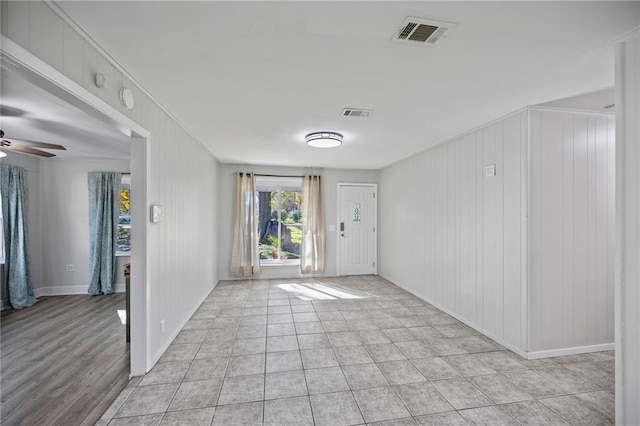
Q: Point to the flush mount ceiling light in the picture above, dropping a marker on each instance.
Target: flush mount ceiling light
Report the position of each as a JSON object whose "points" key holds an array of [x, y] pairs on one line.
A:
{"points": [[324, 139]]}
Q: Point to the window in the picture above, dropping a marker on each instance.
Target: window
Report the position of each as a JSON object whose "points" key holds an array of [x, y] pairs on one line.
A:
{"points": [[279, 209], [123, 244]]}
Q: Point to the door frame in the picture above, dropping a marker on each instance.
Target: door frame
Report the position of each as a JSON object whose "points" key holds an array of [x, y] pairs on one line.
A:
{"points": [[373, 186], [57, 84]]}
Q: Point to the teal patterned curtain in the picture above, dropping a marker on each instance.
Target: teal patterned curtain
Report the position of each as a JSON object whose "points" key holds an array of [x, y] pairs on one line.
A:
{"points": [[18, 288], [104, 202]]}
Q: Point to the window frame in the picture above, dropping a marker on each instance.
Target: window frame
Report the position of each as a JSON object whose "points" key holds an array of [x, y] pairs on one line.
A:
{"points": [[275, 184]]}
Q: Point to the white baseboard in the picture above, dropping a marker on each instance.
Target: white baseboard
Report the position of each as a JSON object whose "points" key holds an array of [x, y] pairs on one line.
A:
{"points": [[571, 351], [496, 339], [523, 353], [68, 290], [156, 357]]}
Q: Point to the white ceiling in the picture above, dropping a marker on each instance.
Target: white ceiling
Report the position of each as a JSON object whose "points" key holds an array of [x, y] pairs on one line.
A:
{"points": [[600, 100], [250, 79], [30, 112]]}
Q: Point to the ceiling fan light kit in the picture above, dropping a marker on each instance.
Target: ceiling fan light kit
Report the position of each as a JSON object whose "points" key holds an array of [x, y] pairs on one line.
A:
{"points": [[324, 139]]}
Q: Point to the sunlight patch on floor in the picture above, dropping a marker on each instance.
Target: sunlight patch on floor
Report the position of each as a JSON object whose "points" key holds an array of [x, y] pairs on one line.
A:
{"points": [[305, 293], [340, 294], [123, 316], [317, 291]]}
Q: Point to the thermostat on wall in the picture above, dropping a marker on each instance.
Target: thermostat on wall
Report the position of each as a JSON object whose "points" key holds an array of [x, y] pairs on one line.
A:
{"points": [[156, 213]]}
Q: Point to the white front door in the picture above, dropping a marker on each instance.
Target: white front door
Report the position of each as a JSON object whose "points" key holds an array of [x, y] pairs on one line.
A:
{"points": [[357, 216]]}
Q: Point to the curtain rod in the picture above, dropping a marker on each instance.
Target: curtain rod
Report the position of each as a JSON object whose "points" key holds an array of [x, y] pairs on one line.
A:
{"points": [[263, 175], [282, 176], [278, 176]]}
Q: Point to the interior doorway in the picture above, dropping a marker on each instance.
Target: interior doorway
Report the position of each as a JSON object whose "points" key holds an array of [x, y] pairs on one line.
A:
{"points": [[357, 224], [57, 87]]}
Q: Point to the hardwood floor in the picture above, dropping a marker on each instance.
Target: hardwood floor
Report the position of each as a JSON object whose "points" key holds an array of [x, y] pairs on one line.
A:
{"points": [[64, 360]]}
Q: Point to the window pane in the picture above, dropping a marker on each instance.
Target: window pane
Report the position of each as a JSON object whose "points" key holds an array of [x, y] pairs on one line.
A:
{"points": [[268, 241], [124, 222], [291, 224], [356, 213], [279, 222]]}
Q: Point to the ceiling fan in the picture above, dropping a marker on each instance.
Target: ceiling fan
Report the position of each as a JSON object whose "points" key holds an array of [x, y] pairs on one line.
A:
{"points": [[28, 147]]}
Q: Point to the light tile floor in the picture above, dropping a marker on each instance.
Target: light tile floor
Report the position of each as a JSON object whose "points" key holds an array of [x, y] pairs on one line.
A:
{"points": [[350, 351]]}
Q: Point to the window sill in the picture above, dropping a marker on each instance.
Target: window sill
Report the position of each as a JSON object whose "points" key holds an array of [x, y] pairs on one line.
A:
{"points": [[123, 253], [290, 264]]}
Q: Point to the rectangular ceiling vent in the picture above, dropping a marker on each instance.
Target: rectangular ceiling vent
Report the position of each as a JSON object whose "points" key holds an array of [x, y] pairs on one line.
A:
{"points": [[356, 112], [423, 32]]}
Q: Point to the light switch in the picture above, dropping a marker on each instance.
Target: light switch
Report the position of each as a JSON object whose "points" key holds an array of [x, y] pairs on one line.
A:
{"points": [[156, 213], [490, 170]]}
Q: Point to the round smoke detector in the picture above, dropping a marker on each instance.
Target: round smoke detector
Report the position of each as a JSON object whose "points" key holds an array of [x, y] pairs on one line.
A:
{"points": [[126, 97]]}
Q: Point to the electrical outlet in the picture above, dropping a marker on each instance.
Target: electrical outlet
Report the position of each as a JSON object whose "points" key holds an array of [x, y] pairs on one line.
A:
{"points": [[71, 268], [162, 327]]}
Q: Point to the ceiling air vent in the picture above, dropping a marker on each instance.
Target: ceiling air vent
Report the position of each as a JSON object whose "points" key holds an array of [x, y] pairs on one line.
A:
{"points": [[423, 32], [356, 112]]}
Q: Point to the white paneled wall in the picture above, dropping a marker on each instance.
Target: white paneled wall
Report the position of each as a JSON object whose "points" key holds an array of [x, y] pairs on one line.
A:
{"points": [[181, 172], [461, 239], [572, 230], [455, 237]]}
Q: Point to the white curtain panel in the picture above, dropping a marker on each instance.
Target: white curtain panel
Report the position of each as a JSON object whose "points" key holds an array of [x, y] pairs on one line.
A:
{"points": [[245, 258], [312, 255]]}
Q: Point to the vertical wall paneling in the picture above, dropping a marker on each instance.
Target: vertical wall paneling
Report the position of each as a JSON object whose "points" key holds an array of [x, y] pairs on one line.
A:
{"points": [[479, 230], [15, 21], [572, 275], [512, 226], [469, 246], [73, 59], [46, 35], [580, 229], [525, 255], [525, 223], [567, 228]]}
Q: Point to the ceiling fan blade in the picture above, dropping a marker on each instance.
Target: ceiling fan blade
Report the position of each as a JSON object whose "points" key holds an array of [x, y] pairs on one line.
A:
{"points": [[29, 150], [23, 142]]}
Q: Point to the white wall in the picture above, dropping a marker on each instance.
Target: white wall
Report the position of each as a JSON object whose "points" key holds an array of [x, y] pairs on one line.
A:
{"points": [[572, 230], [468, 241], [627, 274], [65, 226], [180, 174], [331, 178], [455, 237], [58, 222], [34, 215]]}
